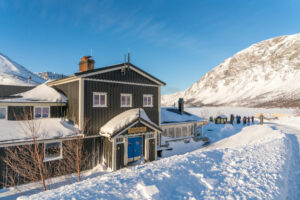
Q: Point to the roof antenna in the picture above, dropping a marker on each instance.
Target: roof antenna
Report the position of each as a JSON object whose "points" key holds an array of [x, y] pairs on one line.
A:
{"points": [[91, 52], [128, 57]]}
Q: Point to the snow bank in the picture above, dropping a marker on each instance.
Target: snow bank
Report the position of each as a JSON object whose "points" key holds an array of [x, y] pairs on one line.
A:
{"points": [[41, 93], [44, 129], [122, 120], [254, 168]]}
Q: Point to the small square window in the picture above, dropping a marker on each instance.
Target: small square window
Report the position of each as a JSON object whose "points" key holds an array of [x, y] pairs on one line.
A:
{"points": [[41, 112], [148, 100], [3, 112], [126, 100], [99, 99], [52, 151]]}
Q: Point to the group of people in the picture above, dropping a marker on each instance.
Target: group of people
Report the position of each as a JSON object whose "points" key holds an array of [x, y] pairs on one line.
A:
{"points": [[245, 120]]}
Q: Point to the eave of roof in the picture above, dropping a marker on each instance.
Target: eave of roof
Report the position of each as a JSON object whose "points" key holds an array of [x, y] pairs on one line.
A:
{"points": [[82, 74]]}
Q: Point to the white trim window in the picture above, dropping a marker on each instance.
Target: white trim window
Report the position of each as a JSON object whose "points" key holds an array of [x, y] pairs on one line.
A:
{"points": [[52, 151], [3, 113], [126, 100], [148, 100], [99, 99], [41, 112]]}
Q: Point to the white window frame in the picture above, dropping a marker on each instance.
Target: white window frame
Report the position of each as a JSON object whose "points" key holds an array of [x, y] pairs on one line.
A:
{"points": [[147, 96], [6, 113], [100, 93], [55, 158], [41, 112], [126, 95]]}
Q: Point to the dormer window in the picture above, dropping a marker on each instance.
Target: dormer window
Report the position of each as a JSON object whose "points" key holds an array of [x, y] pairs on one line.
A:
{"points": [[3, 112], [99, 99], [126, 100]]}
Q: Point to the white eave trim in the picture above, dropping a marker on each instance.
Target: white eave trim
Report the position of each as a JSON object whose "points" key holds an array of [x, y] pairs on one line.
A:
{"points": [[63, 81], [120, 82], [33, 103]]}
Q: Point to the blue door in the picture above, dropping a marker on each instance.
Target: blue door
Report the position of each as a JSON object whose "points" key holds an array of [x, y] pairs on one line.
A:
{"points": [[134, 147]]}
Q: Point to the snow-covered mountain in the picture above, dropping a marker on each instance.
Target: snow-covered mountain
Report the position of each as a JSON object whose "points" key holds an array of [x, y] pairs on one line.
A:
{"points": [[50, 75], [12, 73], [266, 74]]}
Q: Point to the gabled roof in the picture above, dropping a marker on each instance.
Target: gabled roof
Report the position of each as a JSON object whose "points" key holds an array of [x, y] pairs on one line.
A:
{"points": [[125, 120], [172, 115], [113, 68]]}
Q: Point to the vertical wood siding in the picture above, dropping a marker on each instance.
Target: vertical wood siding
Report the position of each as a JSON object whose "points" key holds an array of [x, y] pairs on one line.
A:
{"points": [[128, 76], [98, 116], [91, 146], [71, 90]]}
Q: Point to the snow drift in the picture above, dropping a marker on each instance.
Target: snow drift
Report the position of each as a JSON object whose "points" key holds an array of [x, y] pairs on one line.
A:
{"points": [[267, 74], [12, 73], [255, 168]]}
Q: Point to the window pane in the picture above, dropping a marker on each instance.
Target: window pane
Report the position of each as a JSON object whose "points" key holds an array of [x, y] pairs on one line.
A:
{"points": [[171, 132], [178, 132], [145, 101], [128, 101], [96, 99], [2, 113], [184, 131], [123, 99], [38, 112], [52, 150], [102, 100], [45, 112], [149, 101]]}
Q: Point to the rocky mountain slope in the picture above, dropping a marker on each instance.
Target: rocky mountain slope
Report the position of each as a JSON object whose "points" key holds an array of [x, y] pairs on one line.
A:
{"points": [[12, 73], [266, 74], [50, 75]]}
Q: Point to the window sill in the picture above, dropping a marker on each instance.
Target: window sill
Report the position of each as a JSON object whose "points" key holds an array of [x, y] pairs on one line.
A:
{"points": [[99, 106], [52, 159], [126, 106], [148, 106]]}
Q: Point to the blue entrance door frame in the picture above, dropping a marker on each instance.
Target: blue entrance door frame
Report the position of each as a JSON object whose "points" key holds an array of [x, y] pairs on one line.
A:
{"points": [[134, 147]]}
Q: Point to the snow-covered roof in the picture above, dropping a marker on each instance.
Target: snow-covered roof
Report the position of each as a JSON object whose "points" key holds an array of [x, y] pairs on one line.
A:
{"points": [[51, 128], [123, 119], [222, 116], [41, 93], [172, 115]]}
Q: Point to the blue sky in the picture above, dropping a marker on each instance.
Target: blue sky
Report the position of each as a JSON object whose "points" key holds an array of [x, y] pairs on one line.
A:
{"points": [[176, 41]]}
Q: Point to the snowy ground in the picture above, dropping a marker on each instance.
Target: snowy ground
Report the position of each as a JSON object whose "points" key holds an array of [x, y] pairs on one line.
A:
{"points": [[243, 162]]}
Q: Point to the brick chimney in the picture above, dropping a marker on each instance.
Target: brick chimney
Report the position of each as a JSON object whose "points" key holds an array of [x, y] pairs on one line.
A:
{"points": [[86, 64]]}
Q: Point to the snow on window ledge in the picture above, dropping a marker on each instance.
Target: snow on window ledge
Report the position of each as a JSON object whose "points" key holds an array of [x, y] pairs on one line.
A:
{"points": [[52, 159]]}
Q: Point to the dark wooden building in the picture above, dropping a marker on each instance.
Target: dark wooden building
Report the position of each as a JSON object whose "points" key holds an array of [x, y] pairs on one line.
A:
{"points": [[91, 100], [96, 96]]}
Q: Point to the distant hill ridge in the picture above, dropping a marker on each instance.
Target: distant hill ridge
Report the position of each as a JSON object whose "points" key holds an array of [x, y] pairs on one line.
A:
{"points": [[266, 74]]}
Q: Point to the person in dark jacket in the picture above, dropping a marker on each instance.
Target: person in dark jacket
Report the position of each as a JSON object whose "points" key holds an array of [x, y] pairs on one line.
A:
{"points": [[252, 118], [238, 119], [244, 120], [231, 119], [248, 120]]}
